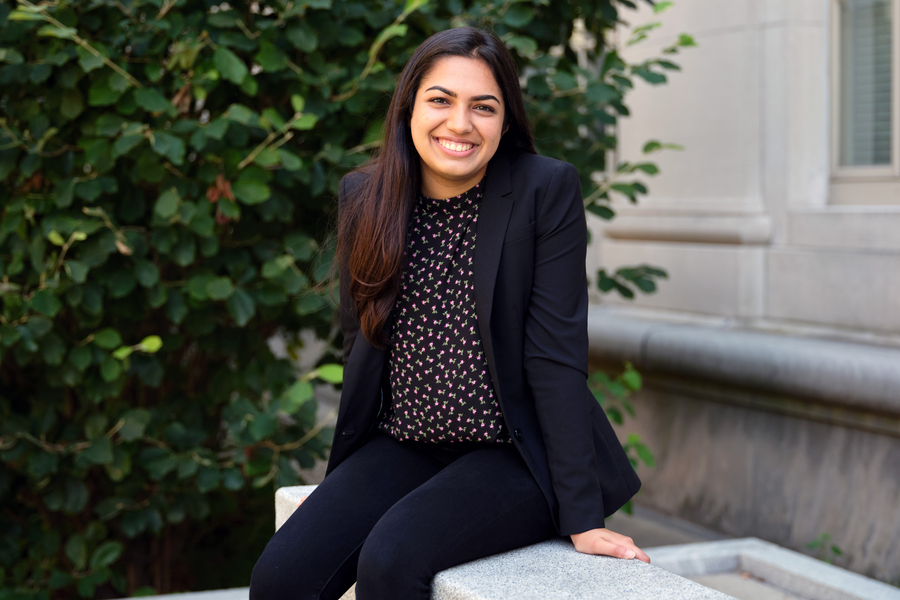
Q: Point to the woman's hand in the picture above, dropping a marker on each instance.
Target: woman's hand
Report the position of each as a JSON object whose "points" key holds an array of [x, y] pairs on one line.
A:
{"points": [[609, 543]]}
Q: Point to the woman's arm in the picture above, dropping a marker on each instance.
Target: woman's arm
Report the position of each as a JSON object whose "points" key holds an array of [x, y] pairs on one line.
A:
{"points": [[556, 365], [349, 321]]}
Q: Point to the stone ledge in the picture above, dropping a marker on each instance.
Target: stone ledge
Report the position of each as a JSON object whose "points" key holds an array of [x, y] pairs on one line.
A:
{"points": [[552, 570], [697, 228], [841, 373], [794, 572]]}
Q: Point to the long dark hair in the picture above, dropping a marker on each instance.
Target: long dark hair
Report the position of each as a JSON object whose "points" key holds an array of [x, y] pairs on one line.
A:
{"points": [[372, 220]]}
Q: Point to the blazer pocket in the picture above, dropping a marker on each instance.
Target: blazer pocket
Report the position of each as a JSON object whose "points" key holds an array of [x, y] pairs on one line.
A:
{"points": [[519, 233]]}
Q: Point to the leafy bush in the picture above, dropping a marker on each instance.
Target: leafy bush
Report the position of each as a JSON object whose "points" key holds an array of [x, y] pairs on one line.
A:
{"points": [[169, 170]]}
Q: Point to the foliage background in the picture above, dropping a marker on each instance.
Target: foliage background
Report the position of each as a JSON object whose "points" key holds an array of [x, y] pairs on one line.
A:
{"points": [[169, 170]]}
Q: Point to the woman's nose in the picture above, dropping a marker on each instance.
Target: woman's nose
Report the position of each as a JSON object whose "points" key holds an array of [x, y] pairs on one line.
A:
{"points": [[458, 121]]}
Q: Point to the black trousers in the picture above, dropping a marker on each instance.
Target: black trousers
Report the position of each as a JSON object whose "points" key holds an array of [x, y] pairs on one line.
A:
{"points": [[396, 513]]}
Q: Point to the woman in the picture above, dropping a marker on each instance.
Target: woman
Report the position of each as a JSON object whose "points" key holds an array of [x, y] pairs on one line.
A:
{"points": [[466, 427]]}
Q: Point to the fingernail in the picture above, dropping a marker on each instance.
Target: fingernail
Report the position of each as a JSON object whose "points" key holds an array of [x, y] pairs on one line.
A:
{"points": [[629, 554]]}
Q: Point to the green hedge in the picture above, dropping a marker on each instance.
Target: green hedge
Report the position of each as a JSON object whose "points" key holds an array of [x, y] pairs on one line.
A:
{"points": [[169, 170]]}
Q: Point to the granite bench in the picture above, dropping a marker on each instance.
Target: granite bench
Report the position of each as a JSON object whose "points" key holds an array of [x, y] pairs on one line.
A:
{"points": [[551, 570]]}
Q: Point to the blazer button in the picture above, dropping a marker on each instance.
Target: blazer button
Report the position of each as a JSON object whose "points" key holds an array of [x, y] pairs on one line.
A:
{"points": [[518, 434]]}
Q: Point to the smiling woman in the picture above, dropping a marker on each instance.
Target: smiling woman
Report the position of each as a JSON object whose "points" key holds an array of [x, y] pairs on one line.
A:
{"points": [[456, 125], [466, 426]]}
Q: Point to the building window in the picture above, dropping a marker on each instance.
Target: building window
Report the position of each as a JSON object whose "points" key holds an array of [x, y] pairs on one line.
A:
{"points": [[866, 101], [866, 61]]}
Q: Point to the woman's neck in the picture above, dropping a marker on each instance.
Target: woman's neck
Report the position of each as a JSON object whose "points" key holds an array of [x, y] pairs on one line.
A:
{"points": [[441, 187]]}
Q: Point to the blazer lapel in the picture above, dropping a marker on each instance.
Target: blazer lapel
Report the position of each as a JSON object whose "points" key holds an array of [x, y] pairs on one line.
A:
{"points": [[493, 217]]}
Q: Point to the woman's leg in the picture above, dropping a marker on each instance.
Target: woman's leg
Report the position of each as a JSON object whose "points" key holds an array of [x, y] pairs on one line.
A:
{"points": [[483, 503], [314, 554]]}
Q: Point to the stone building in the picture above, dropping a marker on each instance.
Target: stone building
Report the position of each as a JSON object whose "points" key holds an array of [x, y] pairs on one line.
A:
{"points": [[772, 354]]}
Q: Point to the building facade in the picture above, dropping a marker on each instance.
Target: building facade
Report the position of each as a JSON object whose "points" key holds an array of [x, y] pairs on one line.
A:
{"points": [[772, 353]]}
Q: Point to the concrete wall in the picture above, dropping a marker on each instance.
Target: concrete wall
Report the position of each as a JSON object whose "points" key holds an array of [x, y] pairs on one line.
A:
{"points": [[746, 219], [758, 237], [757, 434]]}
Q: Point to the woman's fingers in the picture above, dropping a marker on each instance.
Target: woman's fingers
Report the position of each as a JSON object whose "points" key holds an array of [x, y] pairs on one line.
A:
{"points": [[608, 543]]}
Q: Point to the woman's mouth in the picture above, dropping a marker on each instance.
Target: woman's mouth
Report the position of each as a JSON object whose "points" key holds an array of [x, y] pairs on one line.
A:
{"points": [[455, 147]]}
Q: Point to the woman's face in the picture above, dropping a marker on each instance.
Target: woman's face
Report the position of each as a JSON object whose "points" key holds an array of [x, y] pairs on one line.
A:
{"points": [[456, 124]]}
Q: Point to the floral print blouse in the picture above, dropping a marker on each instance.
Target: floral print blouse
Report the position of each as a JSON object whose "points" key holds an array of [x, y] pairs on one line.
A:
{"points": [[441, 390]]}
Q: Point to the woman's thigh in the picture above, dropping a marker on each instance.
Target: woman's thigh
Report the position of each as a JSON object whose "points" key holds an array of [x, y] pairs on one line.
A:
{"points": [[314, 554], [483, 503]]}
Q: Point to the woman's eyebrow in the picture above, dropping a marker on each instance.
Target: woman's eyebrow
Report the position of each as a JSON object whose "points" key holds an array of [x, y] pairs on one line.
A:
{"points": [[481, 98]]}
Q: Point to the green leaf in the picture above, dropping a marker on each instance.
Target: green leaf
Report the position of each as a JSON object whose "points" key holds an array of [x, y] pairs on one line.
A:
{"points": [[76, 496], [267, 157], [176, 309], [80, 357], [150, 344], [270, 58], [648, 168], [23, 15], [123, 352], [525, 46], [108, 338], [169, 146], [125, 143], [58, 579], [289, 160], [262, 426], [146, 272], [332, 373], [167, 204], [95, 426], [46, 302], [11, 56], [76, 551], [151, 100], [52, 349], [219, 288], [251, 192], [77, 270], [42, 464], [518, 16], [662, 6], [645, 455], [602, 93], [632, 380], [100, 452], [65, 33], [71, 104], [110, 369], [303, 37], [229, 65], [296, 396], [101, 94], [305, 122], [136, 422], [120, 467], [241, 114], [106, 554], [241, 307]]}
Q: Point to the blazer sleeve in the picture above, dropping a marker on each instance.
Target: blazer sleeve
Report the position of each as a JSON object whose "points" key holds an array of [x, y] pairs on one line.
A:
{"points": [[348, 318], [556, 351]]}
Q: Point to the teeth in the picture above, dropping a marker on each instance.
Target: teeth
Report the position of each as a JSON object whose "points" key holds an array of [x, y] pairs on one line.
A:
{"points": [[454, 146]]}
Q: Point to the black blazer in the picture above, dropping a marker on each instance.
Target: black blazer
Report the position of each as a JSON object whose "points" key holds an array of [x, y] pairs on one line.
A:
{"points": [[531, 303]]}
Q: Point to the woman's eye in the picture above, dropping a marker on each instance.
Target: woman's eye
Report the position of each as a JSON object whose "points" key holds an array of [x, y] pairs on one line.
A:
{"points": [[486, 108], [439, 101]]}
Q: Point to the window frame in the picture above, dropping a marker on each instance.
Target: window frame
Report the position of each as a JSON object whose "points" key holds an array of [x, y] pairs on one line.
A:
{"points": [[864, 173]]}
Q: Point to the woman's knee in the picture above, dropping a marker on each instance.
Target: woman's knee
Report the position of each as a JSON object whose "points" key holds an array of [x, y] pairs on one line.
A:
{"points": [[266, 581], [279, 574], [392, 566]]}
